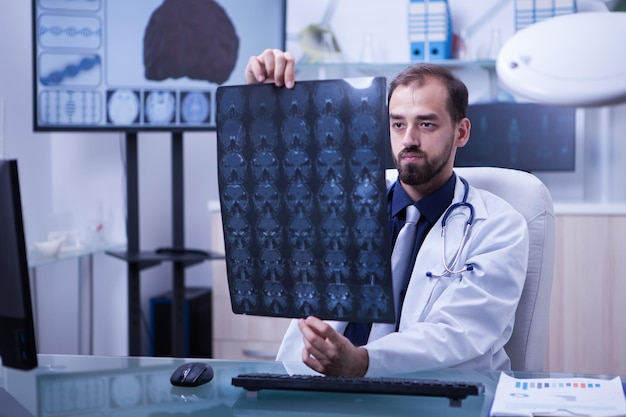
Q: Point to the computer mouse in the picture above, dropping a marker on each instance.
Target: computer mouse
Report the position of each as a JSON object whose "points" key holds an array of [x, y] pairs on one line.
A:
{"points": [[192, 374]]}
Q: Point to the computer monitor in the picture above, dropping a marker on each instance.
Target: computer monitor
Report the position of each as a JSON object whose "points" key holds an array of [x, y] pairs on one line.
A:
{"points": [[17, 330]]}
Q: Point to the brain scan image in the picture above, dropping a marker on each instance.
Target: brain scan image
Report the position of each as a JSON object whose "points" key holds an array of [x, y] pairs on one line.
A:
{"points": [[195, 107], [373, 301], [266, 199], [274, 296], [328, 98], [296, 133], [329, 132], [303, 266], [123, 107], [244, 294], [160, 107], [368, 234], [232, 135], [336, 266], [305, 208], [236, 200], [263, 134], [365, 100], [297, 166], [364, 130], [332, 199], [271, 264], [238, 232], [365, 164], [334, 234], [294, 102], [265, 167], [299, 200], [262, 102], [331, 166], [232, 104], [371, 267], [366, 199], [269, 233], [307, 298], [339, 299], [233, 168], [190, 38], [301, 233], [241, 264]]}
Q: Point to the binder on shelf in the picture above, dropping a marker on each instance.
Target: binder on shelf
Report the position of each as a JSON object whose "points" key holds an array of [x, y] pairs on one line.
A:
{"points": [[430, 30], [528, 12]]}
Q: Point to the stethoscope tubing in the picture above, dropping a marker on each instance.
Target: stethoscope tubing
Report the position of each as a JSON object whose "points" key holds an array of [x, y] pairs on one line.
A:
{"points": [[468, 224]]}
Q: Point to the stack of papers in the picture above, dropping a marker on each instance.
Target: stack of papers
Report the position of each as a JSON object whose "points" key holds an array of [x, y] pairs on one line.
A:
{"points": [[558, 397]]}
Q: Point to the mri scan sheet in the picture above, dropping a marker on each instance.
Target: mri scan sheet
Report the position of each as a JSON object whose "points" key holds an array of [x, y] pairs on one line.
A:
{"points": [[303, 199]]}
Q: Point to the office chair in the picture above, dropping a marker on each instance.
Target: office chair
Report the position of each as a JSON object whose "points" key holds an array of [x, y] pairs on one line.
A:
{"points": [[527, 347]]}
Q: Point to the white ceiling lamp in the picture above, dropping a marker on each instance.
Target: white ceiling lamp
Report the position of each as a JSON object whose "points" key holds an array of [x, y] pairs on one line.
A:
{"points": [[573, 60]]}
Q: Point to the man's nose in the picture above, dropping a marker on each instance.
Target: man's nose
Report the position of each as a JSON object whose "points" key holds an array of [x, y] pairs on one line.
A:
{"points": [[411, 138]]}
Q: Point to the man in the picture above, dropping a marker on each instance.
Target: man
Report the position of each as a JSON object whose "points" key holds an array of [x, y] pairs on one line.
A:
{"points": [[455, 312]]}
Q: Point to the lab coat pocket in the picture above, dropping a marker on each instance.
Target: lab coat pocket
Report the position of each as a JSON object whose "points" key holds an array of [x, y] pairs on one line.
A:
{"points": [[438, 286]]}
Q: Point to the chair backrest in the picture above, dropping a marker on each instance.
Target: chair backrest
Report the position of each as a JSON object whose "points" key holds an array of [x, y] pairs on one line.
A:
{"points": [[527, 347]]}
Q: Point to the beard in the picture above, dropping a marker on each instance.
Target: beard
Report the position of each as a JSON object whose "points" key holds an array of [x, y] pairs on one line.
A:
{"points": [[414, 174]]}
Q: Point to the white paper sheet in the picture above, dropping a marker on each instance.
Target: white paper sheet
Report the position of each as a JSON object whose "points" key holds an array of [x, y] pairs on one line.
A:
{"points": [[558, 397]]}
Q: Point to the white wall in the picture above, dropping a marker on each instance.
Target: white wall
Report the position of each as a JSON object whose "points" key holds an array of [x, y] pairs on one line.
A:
{"points": [[72, 178]]}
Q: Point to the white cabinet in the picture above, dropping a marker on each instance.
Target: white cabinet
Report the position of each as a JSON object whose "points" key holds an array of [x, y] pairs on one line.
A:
{"points": [[588, 309]]}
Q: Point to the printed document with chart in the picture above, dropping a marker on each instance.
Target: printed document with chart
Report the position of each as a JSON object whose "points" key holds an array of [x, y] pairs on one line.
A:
{"points": [[558, 397]]}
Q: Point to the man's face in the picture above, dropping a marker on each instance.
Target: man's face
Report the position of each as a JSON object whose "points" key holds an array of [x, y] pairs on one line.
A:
{"points": [[423, 136]]}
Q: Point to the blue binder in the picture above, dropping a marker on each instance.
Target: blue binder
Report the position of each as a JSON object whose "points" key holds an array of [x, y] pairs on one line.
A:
{"points": [[528, 12], [430, 30]]}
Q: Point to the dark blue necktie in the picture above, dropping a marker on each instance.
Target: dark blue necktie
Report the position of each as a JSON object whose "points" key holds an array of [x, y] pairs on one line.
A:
{"points": [[401, 258]]}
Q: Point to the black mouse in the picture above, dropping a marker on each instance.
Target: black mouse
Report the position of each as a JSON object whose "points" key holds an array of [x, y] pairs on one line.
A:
{"points": [[192, 374]]}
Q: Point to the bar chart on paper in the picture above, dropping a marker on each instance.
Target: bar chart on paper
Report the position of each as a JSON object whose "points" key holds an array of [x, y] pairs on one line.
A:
{"points": [[558, 396]]}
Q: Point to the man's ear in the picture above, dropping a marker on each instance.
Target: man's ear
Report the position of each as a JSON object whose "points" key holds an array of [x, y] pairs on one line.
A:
{"points": [[463, 132]]}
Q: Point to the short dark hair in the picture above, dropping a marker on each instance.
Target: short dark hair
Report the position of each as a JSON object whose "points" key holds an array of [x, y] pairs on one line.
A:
{"points": [[418, 74]]}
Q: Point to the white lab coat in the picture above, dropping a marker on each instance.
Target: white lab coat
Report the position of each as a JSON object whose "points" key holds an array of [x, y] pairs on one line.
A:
{"points": [[459, 320]]}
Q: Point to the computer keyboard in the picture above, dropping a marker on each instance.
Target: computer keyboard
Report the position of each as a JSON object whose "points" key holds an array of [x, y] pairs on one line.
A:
{"points": [[454, 390]]}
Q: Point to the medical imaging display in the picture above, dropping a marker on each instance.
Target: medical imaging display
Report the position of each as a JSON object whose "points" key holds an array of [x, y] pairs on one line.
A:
{"points": [[143, 65], [525, 136], [193, 38], [303, 199]]}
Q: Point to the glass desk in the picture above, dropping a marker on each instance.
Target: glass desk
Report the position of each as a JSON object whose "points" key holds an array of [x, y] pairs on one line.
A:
{"points": [[74, 385]]}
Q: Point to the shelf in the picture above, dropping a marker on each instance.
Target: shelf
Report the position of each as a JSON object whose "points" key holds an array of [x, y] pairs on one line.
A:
{"points": [[388, 70], [146, 259], [36, 259]]}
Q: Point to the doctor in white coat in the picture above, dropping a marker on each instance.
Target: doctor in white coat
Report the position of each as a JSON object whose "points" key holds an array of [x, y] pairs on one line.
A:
{"points": [[458, 311]]}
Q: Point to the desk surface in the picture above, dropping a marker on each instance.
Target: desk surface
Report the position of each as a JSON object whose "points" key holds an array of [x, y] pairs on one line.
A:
{"points": [[67, 385]]}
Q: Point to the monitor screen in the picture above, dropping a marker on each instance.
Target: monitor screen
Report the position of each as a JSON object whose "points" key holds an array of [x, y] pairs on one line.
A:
{"points": [[526, 136], [143, 65], [17, 330]]}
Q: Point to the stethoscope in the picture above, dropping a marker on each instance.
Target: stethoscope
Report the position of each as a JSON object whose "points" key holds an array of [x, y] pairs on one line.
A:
{"points": [[470, 218]]}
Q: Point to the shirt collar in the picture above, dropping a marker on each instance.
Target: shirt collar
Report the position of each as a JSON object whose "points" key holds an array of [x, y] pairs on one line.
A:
{"points": [[431, 207]]}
